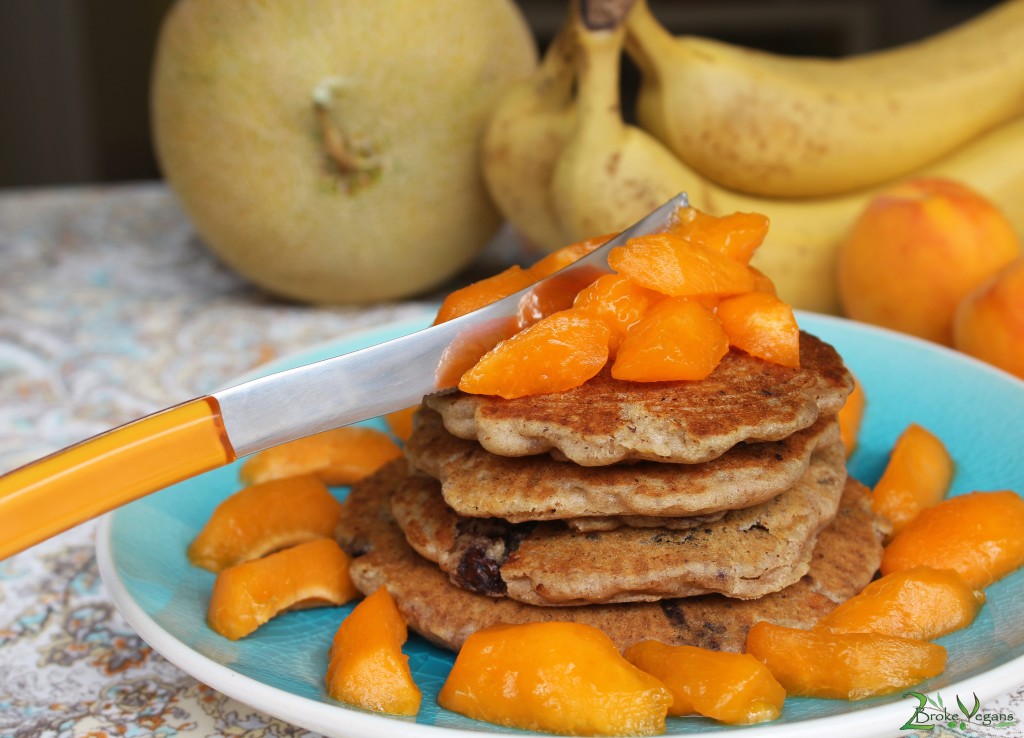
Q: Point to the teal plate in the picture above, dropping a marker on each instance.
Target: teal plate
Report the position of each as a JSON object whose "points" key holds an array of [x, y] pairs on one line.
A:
{"points": [[976, 410]]}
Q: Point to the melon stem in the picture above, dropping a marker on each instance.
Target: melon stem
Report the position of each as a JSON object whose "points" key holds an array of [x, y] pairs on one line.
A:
{"points": [[338, 147], [347, 158]]}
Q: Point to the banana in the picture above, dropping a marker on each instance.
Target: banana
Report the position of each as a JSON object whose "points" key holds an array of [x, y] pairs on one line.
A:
{"points": [[782, 126], [524, 136], [608, 173], [800, 252]]}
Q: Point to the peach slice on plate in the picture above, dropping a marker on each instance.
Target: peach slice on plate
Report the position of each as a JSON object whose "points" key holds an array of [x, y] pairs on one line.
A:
{"points": [[566, 678], [337, 456], [921, 603], [733, 688], [977, 535], [917, 476], [367, 667], [849, 666], [313, 574], [263, 518]]}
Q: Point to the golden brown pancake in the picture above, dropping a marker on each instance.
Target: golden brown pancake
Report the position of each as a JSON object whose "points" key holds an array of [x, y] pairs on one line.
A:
{"points": [[606, 420], [477, 483], [747, 553], [845, 558], [611, 522]]}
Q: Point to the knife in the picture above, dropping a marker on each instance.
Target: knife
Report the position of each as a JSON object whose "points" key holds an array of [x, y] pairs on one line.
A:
{"points": [[66, 488]]}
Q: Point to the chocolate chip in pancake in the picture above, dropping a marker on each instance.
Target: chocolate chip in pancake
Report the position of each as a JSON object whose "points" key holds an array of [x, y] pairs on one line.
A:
{"points": [[746, 554], [605, 421], [845, 558], [478, 483]]}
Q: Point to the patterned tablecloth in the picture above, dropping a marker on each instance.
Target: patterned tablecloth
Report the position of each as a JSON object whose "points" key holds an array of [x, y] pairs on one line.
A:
{"points": [[110, 308]]}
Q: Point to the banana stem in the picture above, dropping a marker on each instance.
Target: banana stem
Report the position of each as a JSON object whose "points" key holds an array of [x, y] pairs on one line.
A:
{"points": [[597, 68], [557, 71], [648, 43], [604, 14]]}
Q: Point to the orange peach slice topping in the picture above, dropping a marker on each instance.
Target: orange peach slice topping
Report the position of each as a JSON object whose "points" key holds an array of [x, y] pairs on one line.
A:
{"points": [[560, 352], [763, 326], [677, 339], [477, 295], [619, 302], [737, 235], [678, 268]]}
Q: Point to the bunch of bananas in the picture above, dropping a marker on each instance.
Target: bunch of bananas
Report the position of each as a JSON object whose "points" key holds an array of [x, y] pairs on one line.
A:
{"points": [[807, 142]]}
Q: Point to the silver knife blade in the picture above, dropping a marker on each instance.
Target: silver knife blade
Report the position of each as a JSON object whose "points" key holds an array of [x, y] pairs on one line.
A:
{"points": [[397, 374]]}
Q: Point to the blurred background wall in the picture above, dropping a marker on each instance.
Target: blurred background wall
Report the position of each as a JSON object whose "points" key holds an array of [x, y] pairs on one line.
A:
{"points": [[74, 73]]}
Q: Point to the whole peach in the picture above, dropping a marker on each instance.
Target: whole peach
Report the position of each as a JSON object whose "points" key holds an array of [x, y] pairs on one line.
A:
{"points": [[989, 322], [917, 250]]}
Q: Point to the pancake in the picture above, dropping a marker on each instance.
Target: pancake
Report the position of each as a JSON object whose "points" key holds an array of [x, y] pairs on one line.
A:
{"points": [[747, 553], [846, 556], [611, 522], [478, 483], [605, 421]]}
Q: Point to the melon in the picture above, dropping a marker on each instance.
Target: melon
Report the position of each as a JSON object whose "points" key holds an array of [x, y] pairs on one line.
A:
{"points": [[328, 150]]}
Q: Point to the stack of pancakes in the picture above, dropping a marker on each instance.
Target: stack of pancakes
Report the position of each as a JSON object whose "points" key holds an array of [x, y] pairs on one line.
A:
{"points": [[677, 511]]}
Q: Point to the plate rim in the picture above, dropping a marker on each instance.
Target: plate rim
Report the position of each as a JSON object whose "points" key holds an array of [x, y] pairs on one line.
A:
{"points": [[330, 717]]}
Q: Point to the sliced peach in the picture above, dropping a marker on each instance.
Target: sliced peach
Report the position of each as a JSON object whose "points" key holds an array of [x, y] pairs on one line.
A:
{"points": [[554, 295], [263, 518], [313, 574], [676, 267], [762, 282], [566, 255], [560, 352], [978, 535], [367, 667], [400, 421], [733, 688], [737, 235], [763, 326], [677, 339], [484, 292], [556, 677], [619, 302], [917, 476], [849, 666], [463, 354], [921, 603], [338, 456], [851, 414]]}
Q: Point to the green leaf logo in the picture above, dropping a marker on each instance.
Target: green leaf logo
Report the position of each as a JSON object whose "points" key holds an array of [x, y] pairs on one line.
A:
{"points": [[972, 712]]}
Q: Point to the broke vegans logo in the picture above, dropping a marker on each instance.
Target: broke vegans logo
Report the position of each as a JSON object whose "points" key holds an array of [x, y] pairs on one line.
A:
{"points": [[932, 711]]}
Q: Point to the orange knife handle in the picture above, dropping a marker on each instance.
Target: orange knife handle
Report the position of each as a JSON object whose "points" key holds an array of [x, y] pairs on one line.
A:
{"points": [[71, 486]]}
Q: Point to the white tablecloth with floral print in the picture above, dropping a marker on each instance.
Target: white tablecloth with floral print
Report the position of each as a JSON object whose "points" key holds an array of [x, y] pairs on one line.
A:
{"points": [[111, 308]]}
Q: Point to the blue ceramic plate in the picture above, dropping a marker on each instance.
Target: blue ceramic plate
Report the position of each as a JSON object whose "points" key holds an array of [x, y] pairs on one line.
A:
{"points": [[974, 409]]}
